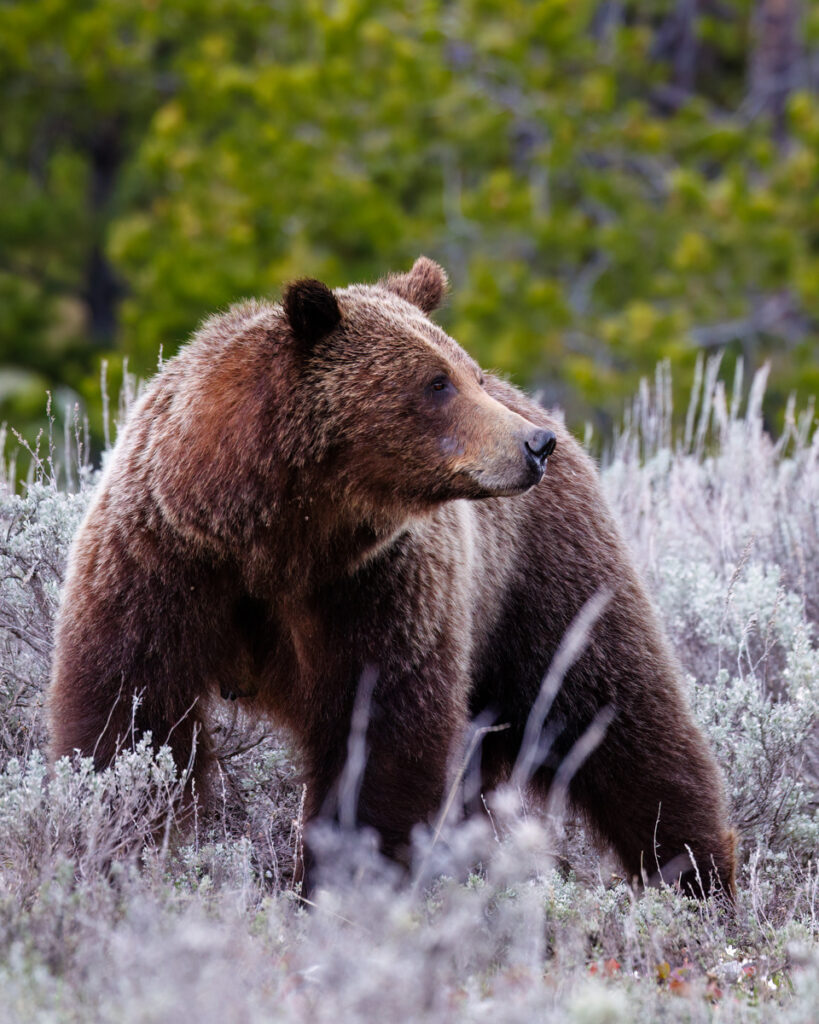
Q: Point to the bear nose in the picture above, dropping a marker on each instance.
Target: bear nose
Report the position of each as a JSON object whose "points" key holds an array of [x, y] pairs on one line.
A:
{"points": [[541, 445]]}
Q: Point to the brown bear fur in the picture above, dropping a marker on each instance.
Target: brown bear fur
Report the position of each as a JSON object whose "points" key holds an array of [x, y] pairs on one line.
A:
{"points": [[312, 488]]}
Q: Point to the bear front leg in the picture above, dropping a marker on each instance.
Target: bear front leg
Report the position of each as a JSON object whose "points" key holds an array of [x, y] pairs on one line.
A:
{"points": [[656, 794], [392, 775], [132, 657]]}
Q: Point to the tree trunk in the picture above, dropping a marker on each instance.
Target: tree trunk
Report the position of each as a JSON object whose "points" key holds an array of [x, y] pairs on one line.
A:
{"points": [[676, 41], [102, 289], [775, 67]]}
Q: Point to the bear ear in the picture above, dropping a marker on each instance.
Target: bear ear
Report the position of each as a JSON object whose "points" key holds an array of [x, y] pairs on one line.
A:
{"points": [[424, 286], [311, 310]]}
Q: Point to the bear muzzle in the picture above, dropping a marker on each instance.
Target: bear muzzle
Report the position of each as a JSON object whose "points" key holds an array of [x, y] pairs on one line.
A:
{"points": [[499, 452], [503, 476]]}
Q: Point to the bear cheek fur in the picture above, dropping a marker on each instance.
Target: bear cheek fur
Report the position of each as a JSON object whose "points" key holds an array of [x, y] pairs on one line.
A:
{"points": [[403, 459], [422, 450], [470, 447]]}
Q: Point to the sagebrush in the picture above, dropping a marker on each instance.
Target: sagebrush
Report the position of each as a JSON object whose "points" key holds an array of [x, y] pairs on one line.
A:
{"points": [[109, 910]]}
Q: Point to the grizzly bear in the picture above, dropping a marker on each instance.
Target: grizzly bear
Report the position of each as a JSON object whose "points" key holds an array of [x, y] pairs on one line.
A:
{"points": [[331, 485]]}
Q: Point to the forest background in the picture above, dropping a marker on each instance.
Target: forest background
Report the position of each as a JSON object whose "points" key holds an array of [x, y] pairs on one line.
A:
{"points": [[609, 184]]}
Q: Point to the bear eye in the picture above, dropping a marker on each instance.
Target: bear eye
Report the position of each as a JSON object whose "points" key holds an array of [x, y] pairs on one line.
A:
{"points": [[480, 380], [439, 384]]}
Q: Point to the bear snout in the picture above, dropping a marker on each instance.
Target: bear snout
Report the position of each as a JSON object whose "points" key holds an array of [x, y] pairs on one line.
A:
{"points": [[516, 460]]}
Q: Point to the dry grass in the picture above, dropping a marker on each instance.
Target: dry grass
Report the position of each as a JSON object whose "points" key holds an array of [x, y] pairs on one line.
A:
{"points": [[109, 912]]}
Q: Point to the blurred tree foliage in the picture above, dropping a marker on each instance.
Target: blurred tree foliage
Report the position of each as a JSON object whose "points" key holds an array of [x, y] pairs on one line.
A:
{"points": [[608, 183]]}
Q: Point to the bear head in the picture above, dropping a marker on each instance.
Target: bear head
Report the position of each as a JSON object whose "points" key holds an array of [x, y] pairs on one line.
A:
{"points": [[401, 411]]}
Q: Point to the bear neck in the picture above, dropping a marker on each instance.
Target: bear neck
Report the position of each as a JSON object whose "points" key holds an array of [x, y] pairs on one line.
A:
{"points": [[321, 536]]}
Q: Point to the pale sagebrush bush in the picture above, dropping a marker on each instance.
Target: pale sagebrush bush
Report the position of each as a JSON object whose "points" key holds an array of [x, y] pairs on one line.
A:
{"points": [[257, 798], [757, 693], [546, 949], [89, 819], [725, 491], [204, 926], [726, 525], [35, 532]]}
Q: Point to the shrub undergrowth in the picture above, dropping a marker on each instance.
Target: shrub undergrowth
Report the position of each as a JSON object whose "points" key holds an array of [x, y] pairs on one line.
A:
{"points": [[110, 910]]}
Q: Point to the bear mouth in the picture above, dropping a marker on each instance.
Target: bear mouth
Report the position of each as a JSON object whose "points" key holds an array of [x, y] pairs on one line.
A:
{"points": [[501, 486]]}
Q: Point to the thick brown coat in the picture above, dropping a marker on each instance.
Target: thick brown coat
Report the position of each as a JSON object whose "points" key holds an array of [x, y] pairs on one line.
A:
{"points": [[314, 488]]}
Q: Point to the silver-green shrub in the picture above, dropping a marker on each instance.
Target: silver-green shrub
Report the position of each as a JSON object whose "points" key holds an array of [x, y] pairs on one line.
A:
{"points": [[726, 525], [109, 912], [35, 532]]}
